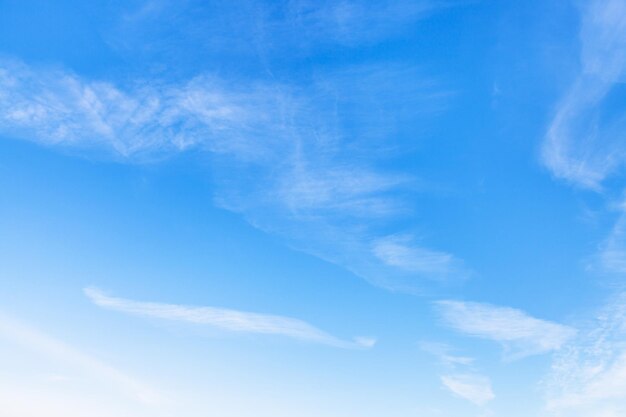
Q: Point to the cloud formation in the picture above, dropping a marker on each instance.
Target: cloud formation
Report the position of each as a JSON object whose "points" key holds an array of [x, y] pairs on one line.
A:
{"points": [[282, 157], [585, 140], [228, 320], [443, 352], [399, 252], [471, 387], [57, 107], [520, 334], [588, 376], [461, 379], [611, 256]]}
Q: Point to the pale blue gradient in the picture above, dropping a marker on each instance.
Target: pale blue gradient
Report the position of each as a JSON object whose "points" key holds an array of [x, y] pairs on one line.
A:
{"points": [[312, 208]]}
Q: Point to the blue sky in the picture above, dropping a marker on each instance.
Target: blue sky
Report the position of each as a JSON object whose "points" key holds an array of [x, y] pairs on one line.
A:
{"points": [[312, 208]]}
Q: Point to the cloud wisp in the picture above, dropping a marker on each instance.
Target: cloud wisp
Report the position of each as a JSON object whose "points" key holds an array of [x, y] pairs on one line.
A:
{"points": [[400, 252], [266, 28], [57, 107], [611, 257], [43, 344], [444, 354], [292, 141], [354, 22], [588, 376], [520, 334], [471, 387], [460, 378], [585, 140], [227, 320]]}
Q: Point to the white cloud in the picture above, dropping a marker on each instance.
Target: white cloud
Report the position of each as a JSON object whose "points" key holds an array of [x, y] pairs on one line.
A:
{"points": [[281, 156], [520, 334], [337, 189], [34, 340], [609, 262], [461, 378], [399, 252], [471, 387], [612, 253], [585, 145], [443, 353], [57, 107], [588, 377], [226, 319], [584, 142]]}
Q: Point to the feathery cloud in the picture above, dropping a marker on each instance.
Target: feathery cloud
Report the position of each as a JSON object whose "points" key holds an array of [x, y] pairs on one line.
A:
{"points": [[471, 387], [611, 256], [226, 319], [355, 21], [443, 352], [397, 251], [56, 107], [588, 376], [266, 28], [585, 140], [520, 334], [293, 142]]}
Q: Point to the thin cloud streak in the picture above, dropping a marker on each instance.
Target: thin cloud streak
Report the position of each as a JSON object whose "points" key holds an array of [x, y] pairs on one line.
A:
{"points": [[471, 387], [611, 256], [584, 142], [226, 319], [355, 21], [443, 353], [36, 341], [520, 334], [461, 379], [266, 29], [398, 251]]}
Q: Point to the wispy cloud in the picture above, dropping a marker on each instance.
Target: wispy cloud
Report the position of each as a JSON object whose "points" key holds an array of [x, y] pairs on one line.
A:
{"points": [[34, 340], [585, 140], [355, 21], [57, 107], [611, 256], [225, 319], [461, 379], [588, 376], [283, 157], [471, 387], [520, 334], [266, 28], [398, 251], [443, 352]]}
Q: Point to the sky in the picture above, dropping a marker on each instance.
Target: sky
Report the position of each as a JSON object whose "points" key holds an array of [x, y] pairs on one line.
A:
{"points": [[313, 208]]}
